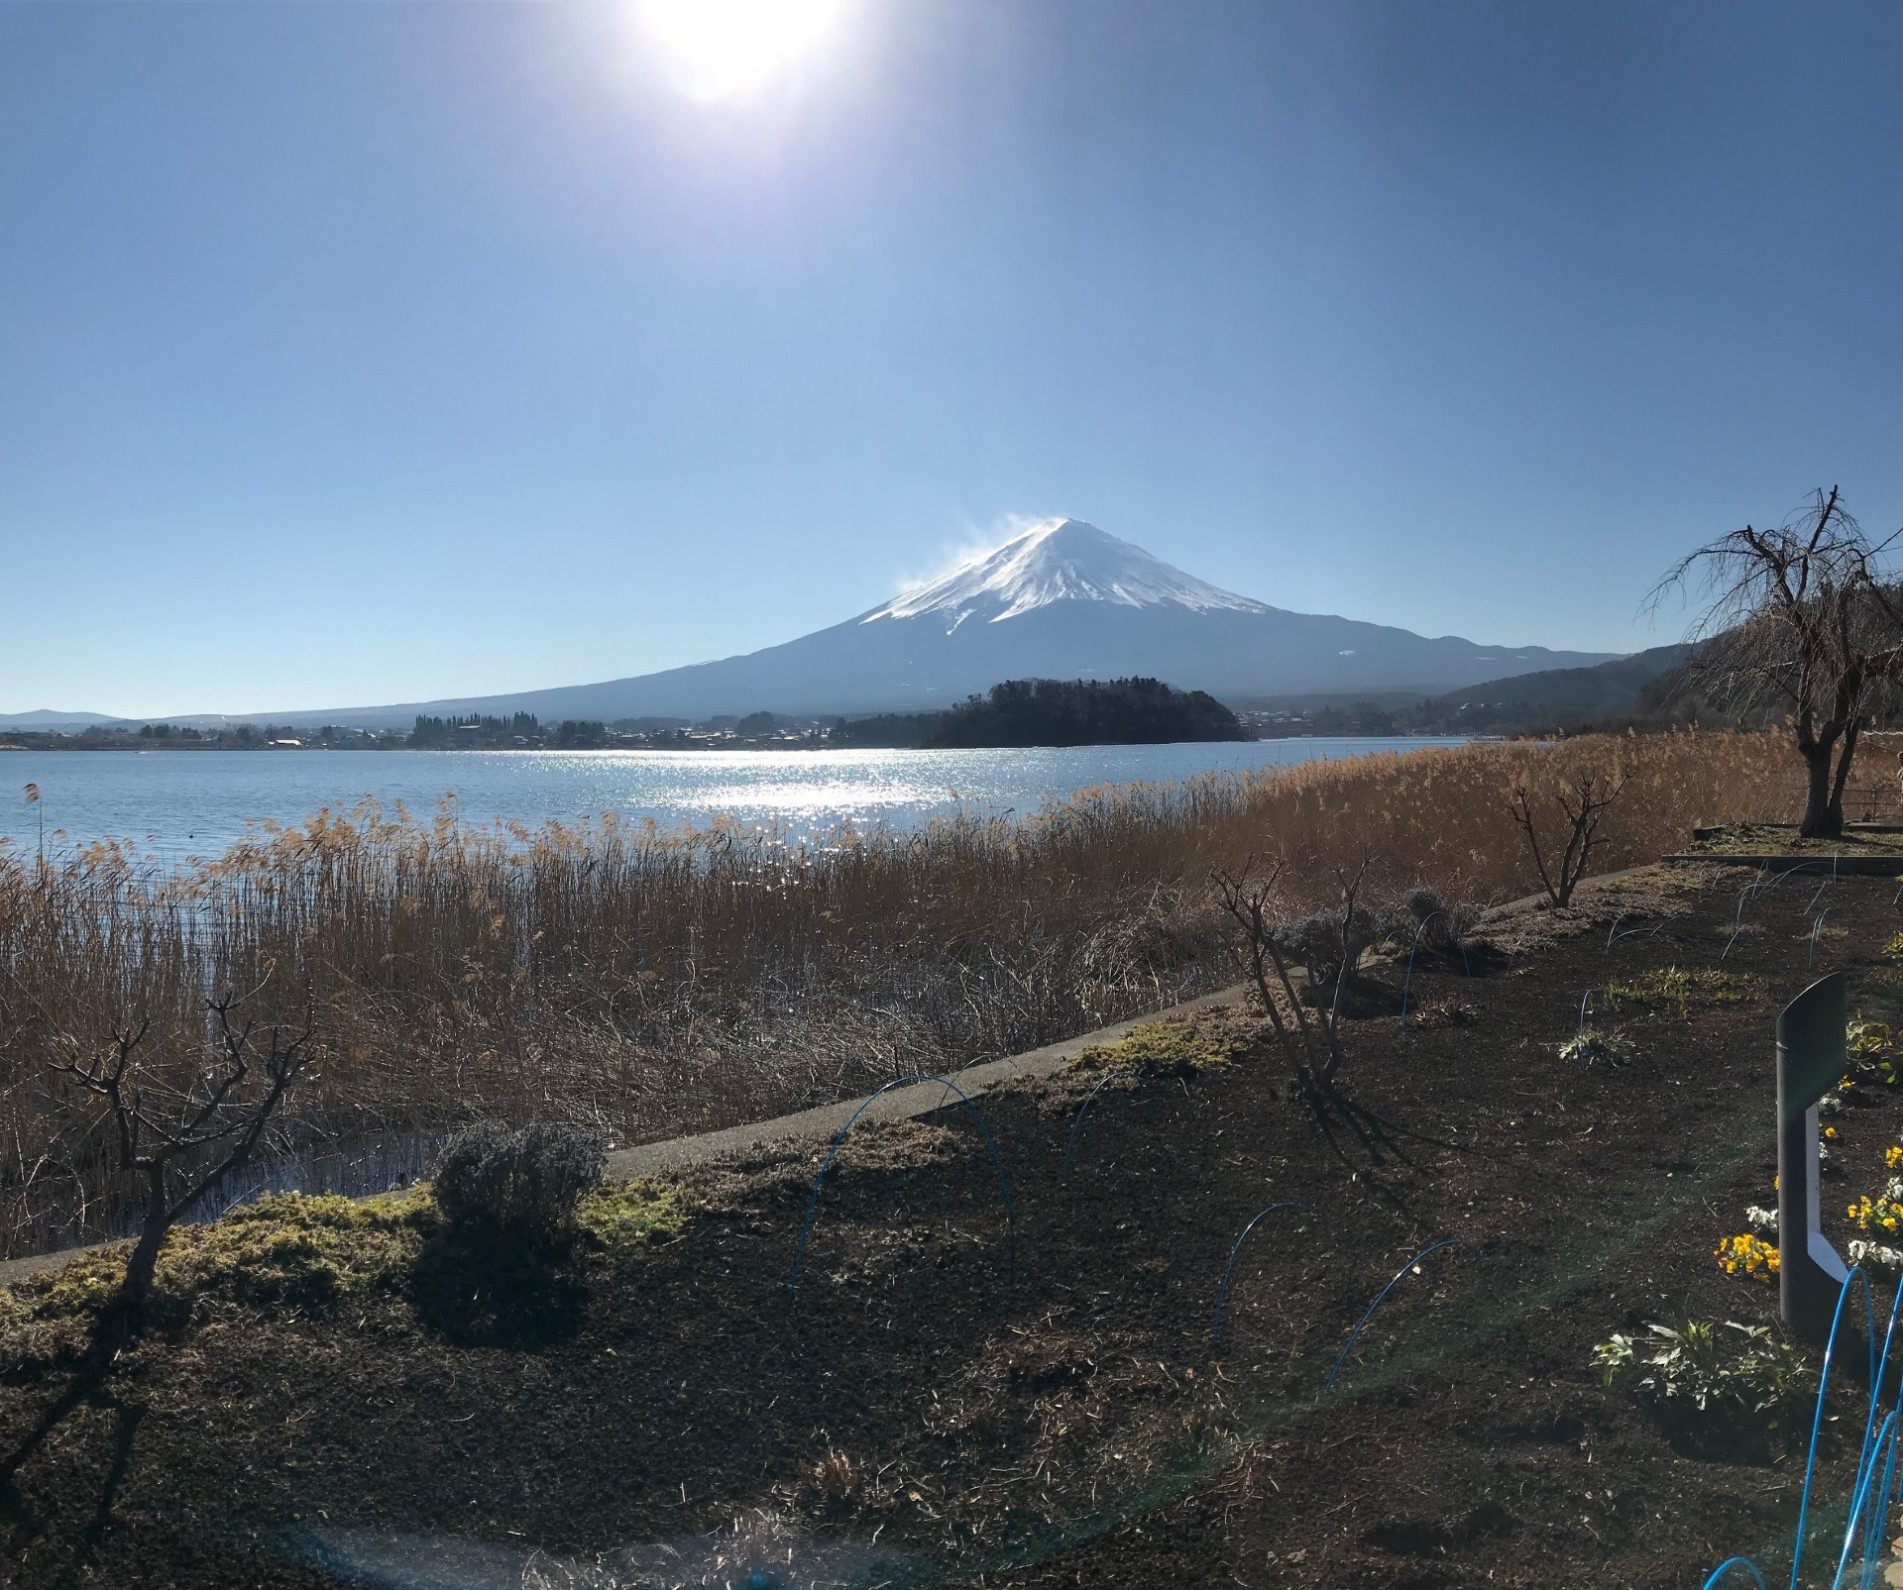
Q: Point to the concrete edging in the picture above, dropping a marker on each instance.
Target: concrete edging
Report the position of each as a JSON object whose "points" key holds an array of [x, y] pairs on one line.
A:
{"points": [[1718, 830], [1838, 866], [902, 1104]]}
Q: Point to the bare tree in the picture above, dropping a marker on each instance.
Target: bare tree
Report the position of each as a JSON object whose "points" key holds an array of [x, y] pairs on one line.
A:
{"points": [[1801, 617], [1262, 950], [181, 1142], [1584, 805]]}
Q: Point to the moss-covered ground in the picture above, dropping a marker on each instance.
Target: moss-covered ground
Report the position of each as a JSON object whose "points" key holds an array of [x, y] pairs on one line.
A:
{"points": [[1781, 839]]}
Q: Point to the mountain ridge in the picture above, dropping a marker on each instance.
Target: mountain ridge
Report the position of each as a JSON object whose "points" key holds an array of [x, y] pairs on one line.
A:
{"points": [[1060, 600]]}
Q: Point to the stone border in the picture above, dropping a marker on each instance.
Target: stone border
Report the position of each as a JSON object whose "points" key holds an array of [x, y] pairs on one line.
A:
{"points": [[1719, 830], [1839, 866]]}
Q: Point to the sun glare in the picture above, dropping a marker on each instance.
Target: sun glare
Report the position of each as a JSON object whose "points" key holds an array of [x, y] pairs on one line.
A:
{"points": [[726, 49]]}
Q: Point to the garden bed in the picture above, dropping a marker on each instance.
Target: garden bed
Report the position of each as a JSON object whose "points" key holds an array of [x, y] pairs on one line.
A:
{"points": [[1878, 840], [955, 1398], [1871, 850]]}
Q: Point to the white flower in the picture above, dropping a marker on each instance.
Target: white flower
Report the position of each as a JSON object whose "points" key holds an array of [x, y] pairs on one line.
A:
{"points": [[1874, 1256]]}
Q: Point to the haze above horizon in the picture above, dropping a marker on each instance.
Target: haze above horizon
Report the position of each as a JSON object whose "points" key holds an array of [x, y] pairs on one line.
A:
{"points": [[367, 354]]}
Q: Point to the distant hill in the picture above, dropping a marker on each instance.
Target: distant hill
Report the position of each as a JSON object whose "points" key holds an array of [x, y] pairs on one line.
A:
{"points": [[45, 720], [1612, 686], [1029, 712], [1626, 689]]}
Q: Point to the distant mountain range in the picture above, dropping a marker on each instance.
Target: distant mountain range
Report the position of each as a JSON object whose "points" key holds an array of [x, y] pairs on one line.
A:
{"points": [[1610, 687], [47, 719], [1064, 600]]}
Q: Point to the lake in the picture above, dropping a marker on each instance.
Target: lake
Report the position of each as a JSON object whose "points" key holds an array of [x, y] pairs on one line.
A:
{"points": [[175, 804]]}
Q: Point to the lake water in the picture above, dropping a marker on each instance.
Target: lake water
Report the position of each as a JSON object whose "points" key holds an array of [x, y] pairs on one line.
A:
{"points": [[175, 804]]}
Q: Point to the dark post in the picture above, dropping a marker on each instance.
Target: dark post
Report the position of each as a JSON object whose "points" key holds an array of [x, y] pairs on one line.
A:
{"points": [[1810, 1062]]}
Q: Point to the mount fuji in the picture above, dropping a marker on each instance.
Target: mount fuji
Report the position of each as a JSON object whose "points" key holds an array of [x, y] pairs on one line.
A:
{"points": [[1063, 600]]}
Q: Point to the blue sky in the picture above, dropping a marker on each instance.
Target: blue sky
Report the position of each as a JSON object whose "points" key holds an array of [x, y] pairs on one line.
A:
{"points": [[356, 353]]}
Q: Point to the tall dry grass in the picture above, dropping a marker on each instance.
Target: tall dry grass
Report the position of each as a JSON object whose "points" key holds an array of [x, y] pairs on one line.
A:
{"points": [[657, 982]]}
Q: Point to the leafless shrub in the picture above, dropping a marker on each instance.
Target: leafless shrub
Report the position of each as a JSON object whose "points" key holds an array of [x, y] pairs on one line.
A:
{"points": [[1442, 924], [1584, 805], [517, 1186], [1311, 1043], [1451, 1012], [1329, 944], [835, 1481]]}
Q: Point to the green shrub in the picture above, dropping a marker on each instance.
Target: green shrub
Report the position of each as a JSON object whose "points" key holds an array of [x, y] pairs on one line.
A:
{"points": [[1683, 986], [1741, 1397], [1163, 1049], [1872, 1049], [1591, 1045]]}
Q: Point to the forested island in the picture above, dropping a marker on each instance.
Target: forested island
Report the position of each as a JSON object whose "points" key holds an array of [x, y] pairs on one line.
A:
{"points": [[1038, 712]]}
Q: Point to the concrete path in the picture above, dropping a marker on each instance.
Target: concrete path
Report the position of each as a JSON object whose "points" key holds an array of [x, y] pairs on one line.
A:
{"points": [[33, 1264], [902, 1104]]}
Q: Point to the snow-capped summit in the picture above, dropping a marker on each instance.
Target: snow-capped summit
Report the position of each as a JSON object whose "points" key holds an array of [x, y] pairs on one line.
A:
{"points": [[1059, 560]]}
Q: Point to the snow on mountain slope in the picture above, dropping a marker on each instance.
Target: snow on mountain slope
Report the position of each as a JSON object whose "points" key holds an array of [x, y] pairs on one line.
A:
{"points": [[1060, 560]]}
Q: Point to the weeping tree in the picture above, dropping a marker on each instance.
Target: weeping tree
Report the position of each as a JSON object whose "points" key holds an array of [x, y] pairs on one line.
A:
{"points": [[1803, 621]]}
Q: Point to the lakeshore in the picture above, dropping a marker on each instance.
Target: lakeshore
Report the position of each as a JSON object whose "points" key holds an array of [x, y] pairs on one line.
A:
{"points": [[656, 980]]}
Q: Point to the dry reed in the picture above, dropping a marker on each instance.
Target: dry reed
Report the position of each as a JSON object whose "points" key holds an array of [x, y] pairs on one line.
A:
{"points": [[654, 982]]}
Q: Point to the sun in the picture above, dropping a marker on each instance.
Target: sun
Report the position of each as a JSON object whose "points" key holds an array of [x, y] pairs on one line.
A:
{"points": [[727, 49]]}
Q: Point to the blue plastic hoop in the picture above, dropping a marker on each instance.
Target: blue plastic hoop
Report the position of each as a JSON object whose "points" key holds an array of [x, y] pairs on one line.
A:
{"points": [[1381, 1297], [812, 1204]]}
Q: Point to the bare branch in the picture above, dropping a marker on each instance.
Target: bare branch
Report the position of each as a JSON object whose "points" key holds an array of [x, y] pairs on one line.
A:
{"points": [[1584, 806], [163, 1131]]}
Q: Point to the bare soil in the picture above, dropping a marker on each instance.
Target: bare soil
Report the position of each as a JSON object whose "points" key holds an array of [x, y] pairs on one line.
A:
{"points": [[958, 1398]]}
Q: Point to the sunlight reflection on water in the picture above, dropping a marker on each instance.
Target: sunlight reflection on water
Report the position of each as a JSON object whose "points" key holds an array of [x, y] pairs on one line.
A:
{"points": [[175, 804]]}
